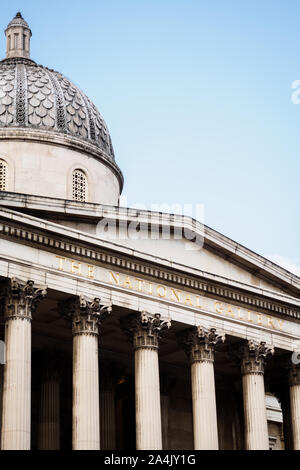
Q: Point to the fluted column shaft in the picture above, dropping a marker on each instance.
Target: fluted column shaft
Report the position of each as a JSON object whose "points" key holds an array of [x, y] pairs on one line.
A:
{"points": [[295, 405], [16, 419], [147, 396], [256, 425], [199, 344], [255, 414], [86, 425], [49, 424], [204, 406], [144, 330], [17, 386], [86, 318]]}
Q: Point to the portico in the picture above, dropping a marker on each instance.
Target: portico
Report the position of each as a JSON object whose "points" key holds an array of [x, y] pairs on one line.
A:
{"points": [[190, 334]]}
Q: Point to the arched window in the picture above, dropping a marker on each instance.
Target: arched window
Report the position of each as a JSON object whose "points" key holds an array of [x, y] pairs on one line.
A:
{"points": [[79, 186], [3, 175]]}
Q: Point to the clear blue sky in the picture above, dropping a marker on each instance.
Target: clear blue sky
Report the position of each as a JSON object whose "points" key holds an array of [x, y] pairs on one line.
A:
{"points": [[197, 96]]}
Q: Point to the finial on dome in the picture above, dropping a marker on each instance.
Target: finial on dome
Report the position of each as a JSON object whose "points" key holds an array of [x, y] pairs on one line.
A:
{"points": [[18, 36]]}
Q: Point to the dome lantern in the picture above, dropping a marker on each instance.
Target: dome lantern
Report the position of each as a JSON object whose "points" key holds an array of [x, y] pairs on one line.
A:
{"points": [[18, 36]]}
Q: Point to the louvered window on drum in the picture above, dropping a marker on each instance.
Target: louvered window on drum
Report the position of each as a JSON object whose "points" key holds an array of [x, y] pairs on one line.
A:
{"points": [[3, 175], [79, 189], [16, 36]]}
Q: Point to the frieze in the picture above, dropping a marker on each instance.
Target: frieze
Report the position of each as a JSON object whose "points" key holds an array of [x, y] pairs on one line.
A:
{"points": [[84, 269]]}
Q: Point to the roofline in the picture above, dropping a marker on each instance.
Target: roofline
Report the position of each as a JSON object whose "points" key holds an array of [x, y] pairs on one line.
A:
{"points": [[212, 239]]}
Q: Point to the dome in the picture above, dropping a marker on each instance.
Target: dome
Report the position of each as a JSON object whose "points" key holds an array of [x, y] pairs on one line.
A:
{"points": [[53, 140], [18, 20], [35, 97]]}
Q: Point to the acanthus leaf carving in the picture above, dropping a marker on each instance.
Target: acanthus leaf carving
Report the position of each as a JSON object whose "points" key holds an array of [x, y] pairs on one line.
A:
{"points": [[145, 329]]}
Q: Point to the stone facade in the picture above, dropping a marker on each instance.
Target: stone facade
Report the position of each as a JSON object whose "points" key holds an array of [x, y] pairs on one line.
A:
{"points": [[177, 344]]}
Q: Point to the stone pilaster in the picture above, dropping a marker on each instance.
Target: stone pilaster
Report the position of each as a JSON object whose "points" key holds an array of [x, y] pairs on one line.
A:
{"points": [[253, 357], [49, 418], [86, 318], [294, 382], [200, 344], [145, 331], [21, 301]]}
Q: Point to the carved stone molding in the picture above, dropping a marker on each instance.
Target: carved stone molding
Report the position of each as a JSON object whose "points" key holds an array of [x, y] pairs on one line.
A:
{"points": [[253, 356], [294, 376], [144, 329], [95, 255], [199, 343], [22, 298], [86, 315]]}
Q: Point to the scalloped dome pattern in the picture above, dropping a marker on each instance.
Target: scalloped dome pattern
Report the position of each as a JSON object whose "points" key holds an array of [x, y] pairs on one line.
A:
{"points": [[35, 97]]}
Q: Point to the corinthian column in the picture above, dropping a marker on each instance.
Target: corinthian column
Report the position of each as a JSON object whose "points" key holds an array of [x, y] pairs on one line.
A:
{"points": [[22, 299], [86, 318], [294, 382], [199, 344], [145, 330], [49, 419], [253, 358]]}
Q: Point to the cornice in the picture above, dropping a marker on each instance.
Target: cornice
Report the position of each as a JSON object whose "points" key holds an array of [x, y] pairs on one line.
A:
{"points": [[286, 306], [213, 240]]}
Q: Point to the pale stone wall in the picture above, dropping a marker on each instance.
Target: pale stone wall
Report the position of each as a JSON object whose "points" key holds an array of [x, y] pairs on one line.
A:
{"points": [[46, 170]]}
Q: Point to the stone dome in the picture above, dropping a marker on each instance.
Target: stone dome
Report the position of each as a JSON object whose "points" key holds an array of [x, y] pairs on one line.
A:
{"points": [[35, 97], [50, 129], [18, 20]]}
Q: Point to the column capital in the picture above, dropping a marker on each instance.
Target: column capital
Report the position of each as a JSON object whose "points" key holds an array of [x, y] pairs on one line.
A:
{"points": [[294, 375], [199, 343], [86, 315], [253, 356], [22, 298], [144, 329]]}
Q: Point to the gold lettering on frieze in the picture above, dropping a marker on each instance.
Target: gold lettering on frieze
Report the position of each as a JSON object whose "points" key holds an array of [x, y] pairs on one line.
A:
{"points": [[161, 291], [219, 307], [127, 282], [188, 300], [230, 311], [175, 295], [140, 284], [198, 304], [91, 271], [61, 261], [249, 316], [114, 277], [270, 322], [150, 291], [76, 268]]}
